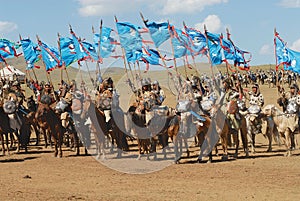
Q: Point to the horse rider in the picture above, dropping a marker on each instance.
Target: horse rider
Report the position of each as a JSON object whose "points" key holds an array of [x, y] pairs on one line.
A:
{"points": [[209, 98], [18, 93], [159, 92], [146, 98], [47, 91], [256, 98], [231, 98]]}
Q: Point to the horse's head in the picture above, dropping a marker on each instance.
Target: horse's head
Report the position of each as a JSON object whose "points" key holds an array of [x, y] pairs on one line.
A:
{"points": [[42, 114], [31, 104]]}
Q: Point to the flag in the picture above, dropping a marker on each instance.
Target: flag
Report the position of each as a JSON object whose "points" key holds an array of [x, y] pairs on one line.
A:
{"points": [[130, 40], [91, 50], [281, 51], [159, 32], [50, 56], [232, 52], [179, 42], [31, 52], [197, 40], [107, 43], [289, 58], [67, 49], [294, 61], [150, 56], [8, 49], [79, 49], [215, 49]]}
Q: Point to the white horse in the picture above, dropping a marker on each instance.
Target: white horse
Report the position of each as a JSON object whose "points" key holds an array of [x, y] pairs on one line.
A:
{"points": [[286, 125]]}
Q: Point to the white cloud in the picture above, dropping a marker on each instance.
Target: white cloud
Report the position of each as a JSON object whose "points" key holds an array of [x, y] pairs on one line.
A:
{"points": [[188, 6], [266, 50], [6, 27], [296, 45], [212, 22], [107, 7], [290, 3], [165, 7]]}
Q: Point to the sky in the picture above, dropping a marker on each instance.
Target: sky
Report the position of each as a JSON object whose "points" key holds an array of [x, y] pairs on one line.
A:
{"points": [[251, 23]]}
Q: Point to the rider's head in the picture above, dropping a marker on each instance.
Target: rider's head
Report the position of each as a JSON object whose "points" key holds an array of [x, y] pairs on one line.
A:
{"points": [[226, 83], [255, 88], [294, 89]]}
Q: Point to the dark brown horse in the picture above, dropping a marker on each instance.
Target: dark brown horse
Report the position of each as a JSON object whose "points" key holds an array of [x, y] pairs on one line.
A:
{"points": [[4, 131], [48, 119]]}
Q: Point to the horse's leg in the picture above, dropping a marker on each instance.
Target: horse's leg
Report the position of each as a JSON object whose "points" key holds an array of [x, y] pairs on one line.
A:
{"points": [[55, 148], [288, 138], [253, 143], [187, 147], [243, 131], [176, 142], [269, 134], [224, 141], [139, 143], [236, 142], [2, 143]]}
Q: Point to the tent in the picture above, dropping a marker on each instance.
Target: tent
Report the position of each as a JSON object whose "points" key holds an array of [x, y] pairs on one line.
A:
{"points": [[12, 73]]}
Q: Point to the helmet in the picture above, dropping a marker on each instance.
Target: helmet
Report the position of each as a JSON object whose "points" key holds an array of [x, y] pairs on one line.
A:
{"points": [[155, 82], [145, 82], [16, 83], [255, 86]]}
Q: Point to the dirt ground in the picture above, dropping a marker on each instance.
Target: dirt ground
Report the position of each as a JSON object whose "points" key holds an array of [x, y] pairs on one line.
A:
{"points": [[263, 176]]}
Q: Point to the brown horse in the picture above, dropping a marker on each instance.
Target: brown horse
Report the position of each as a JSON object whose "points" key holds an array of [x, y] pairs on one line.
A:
{"points": [[4, 130], [48, 119]]}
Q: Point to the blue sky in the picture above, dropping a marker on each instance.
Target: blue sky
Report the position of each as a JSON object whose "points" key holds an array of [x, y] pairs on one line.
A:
{"points": [[251, 23]]}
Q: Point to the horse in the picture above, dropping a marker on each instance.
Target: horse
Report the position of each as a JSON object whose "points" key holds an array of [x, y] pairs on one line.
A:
{"points": [[19, 126], [135, 122], [286, 124], [98, 124], [4, 130], [118, 131], [253, 117], [48, 119]]}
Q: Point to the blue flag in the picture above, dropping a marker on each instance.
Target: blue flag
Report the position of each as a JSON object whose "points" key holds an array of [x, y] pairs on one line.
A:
{"points": [[130, 40], [289, 58], [7, 49], [150, 56], [91, 50], [281, 52], [79, 49], [198, 41], [179, 42], [50, 56], [107, 43], [215, 49], [67, 49], [159, 32], [31, 52]]}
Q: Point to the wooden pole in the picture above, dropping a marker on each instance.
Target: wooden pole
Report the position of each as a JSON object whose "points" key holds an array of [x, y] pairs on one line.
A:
{"points": [[163, 60]]}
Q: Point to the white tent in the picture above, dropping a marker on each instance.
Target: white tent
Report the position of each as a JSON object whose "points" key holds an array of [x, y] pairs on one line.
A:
{"points": [[11, 73]]}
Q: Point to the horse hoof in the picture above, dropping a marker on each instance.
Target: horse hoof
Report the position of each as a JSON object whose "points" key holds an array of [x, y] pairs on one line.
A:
{"points": [[235, 155], [138, 158], [199, 160], [209, 161], [269, 150], [224, 158]]}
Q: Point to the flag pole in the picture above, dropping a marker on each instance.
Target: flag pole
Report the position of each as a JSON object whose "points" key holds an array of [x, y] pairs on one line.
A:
{"points": [[162, 58], [208, 55], [47, 75], [132, 86]]}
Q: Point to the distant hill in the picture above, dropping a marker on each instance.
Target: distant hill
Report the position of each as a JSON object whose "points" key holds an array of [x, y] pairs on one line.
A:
{"points": [[117, 72]]}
